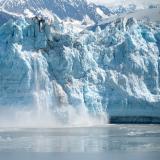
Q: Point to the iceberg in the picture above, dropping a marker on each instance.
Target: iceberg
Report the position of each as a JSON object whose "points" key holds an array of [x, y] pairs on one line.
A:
{"points": [[112, 71]]}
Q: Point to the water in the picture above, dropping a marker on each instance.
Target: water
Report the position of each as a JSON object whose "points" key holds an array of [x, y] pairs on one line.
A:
{"points": [[104, 139]]}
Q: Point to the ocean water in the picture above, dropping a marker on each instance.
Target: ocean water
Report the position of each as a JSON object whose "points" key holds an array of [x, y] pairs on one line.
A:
{"points": [[99, 140]]}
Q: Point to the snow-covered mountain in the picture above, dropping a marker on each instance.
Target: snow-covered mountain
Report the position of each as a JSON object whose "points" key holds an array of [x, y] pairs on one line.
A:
{"points": [[75, 9]]}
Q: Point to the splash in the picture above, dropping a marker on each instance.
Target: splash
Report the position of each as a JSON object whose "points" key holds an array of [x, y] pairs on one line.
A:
{"points": [[68, 117], [45, 111]]}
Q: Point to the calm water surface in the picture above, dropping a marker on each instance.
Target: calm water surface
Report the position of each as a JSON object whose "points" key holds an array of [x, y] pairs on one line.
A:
{"points": [[104, 139]]}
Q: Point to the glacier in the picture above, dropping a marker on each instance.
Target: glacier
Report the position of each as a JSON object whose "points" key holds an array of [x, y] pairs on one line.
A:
{"points": [[114, 71]]}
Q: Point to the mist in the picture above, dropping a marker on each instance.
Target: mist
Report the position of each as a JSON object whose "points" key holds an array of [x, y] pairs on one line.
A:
{"points": [[68, 116]]}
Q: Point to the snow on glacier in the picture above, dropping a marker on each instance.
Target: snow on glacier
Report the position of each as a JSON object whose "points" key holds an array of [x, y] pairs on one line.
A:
{"points": [[114, 70]]}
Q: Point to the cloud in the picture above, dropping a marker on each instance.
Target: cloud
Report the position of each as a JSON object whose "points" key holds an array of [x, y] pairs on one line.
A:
{"points": [[125, 2]]}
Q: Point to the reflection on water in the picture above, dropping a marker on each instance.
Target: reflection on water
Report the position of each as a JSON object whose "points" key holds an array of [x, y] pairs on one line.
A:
{"points": [[92, 139]]}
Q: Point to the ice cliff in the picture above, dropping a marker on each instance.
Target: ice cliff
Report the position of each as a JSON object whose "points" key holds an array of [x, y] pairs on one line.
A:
{"points": [[115, 70]]}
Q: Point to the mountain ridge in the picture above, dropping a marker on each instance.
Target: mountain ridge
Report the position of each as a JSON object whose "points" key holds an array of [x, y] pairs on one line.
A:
{"points": [[75, 9]]}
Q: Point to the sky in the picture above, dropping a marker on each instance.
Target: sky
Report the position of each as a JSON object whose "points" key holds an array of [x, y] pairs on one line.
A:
{"points": [[124, 2]]}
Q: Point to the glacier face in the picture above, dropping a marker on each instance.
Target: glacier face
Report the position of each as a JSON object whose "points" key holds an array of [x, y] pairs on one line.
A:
{"points": [[115, 70]]}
